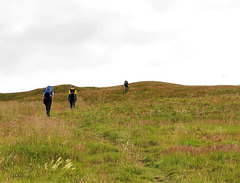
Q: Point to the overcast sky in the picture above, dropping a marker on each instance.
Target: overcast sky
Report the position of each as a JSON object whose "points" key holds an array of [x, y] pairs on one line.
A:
{"points": [[102, 43]]}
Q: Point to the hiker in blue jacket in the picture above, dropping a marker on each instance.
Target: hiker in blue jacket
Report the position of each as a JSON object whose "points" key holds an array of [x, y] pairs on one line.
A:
{"points": [[47, 98]]}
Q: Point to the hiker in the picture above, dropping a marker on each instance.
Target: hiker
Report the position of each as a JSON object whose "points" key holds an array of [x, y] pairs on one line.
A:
{"points": [[72, 97], [126, 85], [47, 98]]}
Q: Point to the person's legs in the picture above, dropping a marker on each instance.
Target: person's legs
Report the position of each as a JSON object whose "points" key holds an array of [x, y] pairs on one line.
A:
{"points": [[46, 105], [126, 88], [49, 108], [48, 102]]}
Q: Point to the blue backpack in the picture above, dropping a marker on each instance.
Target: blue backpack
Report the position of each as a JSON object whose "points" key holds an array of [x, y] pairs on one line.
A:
{"points": [[48, 91]]}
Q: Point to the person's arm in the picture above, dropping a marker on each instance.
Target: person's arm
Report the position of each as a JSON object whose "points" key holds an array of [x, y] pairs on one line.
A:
{"points": [[52, 95]]}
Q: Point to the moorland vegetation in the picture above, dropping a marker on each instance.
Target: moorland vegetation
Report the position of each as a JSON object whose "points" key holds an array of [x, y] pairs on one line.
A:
{"points": [[156, 132]]}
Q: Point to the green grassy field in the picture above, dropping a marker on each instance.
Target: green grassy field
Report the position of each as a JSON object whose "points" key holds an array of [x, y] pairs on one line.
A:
{"points": [[156, 132]]}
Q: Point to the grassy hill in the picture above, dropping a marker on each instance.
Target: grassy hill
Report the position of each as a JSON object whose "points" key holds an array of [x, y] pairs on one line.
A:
{"points": [[156, 132]]}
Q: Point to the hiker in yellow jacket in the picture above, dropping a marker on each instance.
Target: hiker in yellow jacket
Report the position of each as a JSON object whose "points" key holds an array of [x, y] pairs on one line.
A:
{"points": [[72, 97]]}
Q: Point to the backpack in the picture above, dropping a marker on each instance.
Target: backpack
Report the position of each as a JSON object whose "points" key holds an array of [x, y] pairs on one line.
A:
{"points": [[72, 93], [48, 91]]}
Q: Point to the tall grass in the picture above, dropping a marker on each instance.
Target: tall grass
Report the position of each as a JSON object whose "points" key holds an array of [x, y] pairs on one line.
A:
{"points": [[154, 133]]}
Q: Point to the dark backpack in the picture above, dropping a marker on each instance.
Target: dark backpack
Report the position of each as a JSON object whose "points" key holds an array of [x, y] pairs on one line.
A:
{"points": [[72, 90], [72, 94]]}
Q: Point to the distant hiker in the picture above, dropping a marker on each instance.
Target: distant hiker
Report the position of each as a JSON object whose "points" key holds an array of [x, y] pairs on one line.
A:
{"points": [[126, 86], [72, 97], [47, 98]]}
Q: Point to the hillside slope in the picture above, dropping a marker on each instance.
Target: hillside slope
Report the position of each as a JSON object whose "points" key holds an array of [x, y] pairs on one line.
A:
{"points": [[139, 90], [156, 132]]}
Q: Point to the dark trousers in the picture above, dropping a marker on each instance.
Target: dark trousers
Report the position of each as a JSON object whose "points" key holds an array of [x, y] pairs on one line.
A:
{"points": [[72, 104], [48, 103], [126, 88]]}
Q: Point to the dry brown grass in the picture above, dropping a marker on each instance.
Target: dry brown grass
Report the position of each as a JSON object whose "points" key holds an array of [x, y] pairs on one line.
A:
{"points": [[29, 119], [202, 150]]}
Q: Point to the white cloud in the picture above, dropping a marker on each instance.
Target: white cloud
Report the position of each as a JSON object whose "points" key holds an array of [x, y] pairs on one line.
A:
{"points": [[103, 43]]}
